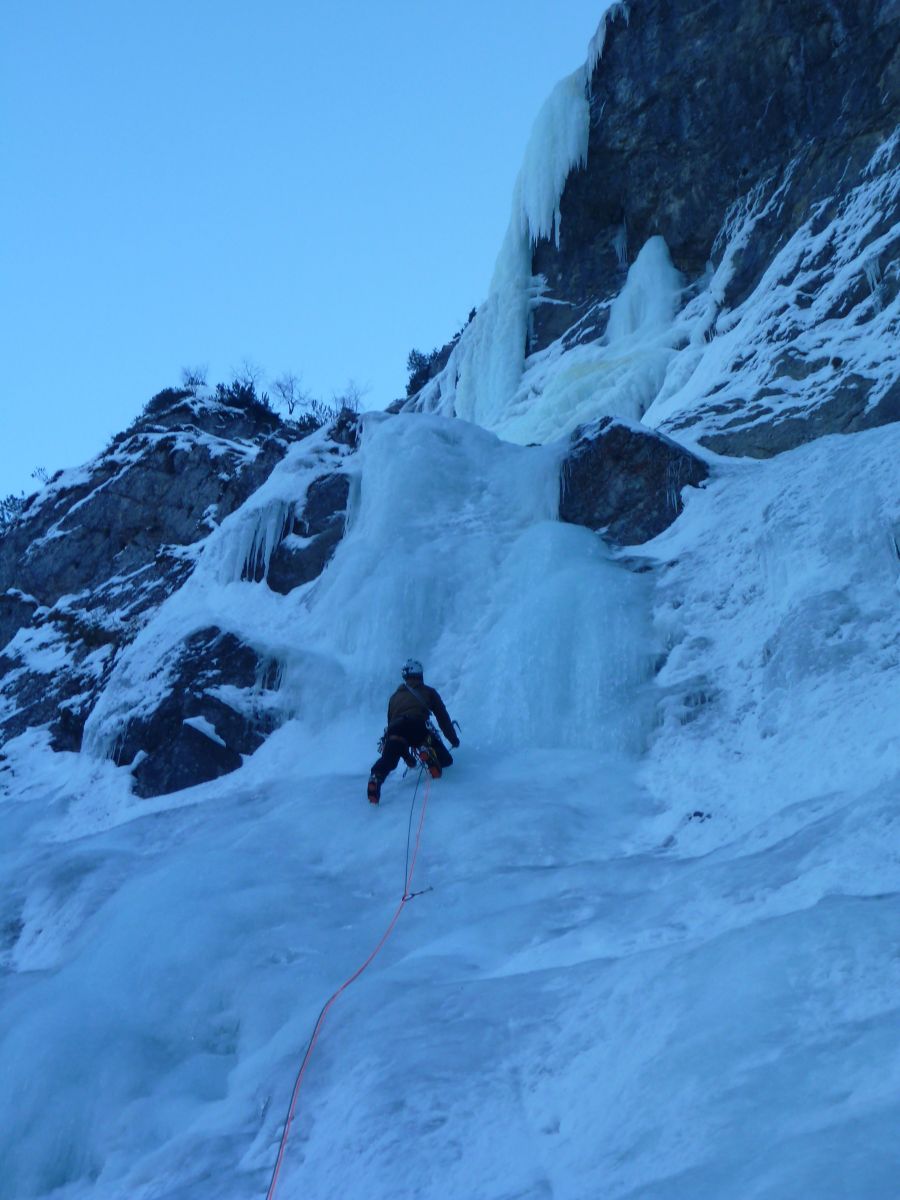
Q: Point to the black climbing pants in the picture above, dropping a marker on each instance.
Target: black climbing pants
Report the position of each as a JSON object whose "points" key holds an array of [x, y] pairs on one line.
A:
{"points": [[405, 736]]}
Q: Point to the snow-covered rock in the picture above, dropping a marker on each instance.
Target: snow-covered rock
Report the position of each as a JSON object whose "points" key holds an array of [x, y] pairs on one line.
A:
{"points": [[215, 705], [95, 554]]}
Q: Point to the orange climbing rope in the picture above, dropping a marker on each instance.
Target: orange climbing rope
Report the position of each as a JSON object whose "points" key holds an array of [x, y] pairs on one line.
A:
{"points": [[407, 895]]}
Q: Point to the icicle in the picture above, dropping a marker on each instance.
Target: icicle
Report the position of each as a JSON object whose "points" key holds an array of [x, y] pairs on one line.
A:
{"points": [[485, 367], [272, 524], [872, 269], [620, 245], [246, 551], [616, 8]]}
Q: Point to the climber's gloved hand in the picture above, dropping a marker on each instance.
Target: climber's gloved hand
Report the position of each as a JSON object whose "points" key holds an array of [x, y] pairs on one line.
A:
{"points": [[455, 743]]}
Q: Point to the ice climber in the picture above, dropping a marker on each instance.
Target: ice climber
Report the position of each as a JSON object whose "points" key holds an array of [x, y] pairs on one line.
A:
{"points": [[409, 734]]}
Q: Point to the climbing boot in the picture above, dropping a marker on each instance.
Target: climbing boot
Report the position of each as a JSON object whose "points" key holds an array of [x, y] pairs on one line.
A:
{"points": [[373, 791], [429, 761]]}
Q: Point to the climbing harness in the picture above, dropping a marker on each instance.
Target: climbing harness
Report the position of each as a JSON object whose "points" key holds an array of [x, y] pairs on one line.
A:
{"points": [[320, 1020]]}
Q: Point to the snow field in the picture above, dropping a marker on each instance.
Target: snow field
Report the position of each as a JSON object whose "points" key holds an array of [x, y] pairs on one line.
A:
{"points": [[778, 606], [210, 935], [566, 1011]]}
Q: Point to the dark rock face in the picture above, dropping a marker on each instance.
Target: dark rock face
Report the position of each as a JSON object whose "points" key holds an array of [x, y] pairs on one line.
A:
{"points": [[625, 481], [16, 610], [95, 553], [695, 104], [218, 696], [54, 668], [169, 751], [313, 537]]}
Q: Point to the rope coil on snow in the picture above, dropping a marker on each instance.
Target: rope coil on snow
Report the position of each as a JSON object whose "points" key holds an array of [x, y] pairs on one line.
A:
{"points": [[320, 1020]]}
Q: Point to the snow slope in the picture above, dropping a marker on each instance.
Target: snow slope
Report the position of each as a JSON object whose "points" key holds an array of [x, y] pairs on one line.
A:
{"points": [[602, 996]]}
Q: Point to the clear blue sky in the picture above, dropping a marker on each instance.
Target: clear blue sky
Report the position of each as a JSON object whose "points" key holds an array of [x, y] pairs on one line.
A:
{"points": [[314, 187]]}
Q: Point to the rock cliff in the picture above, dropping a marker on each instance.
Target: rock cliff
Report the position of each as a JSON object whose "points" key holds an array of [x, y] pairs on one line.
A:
{"points": [[765, 145], [94, 555], [725, 260]]}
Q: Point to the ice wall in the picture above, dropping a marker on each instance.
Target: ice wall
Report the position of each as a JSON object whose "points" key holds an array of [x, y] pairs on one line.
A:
{"points": [[454, 556]]}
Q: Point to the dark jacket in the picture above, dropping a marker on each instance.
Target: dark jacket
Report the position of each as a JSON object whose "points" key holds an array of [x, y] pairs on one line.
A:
{"points": [[420, 702]]}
